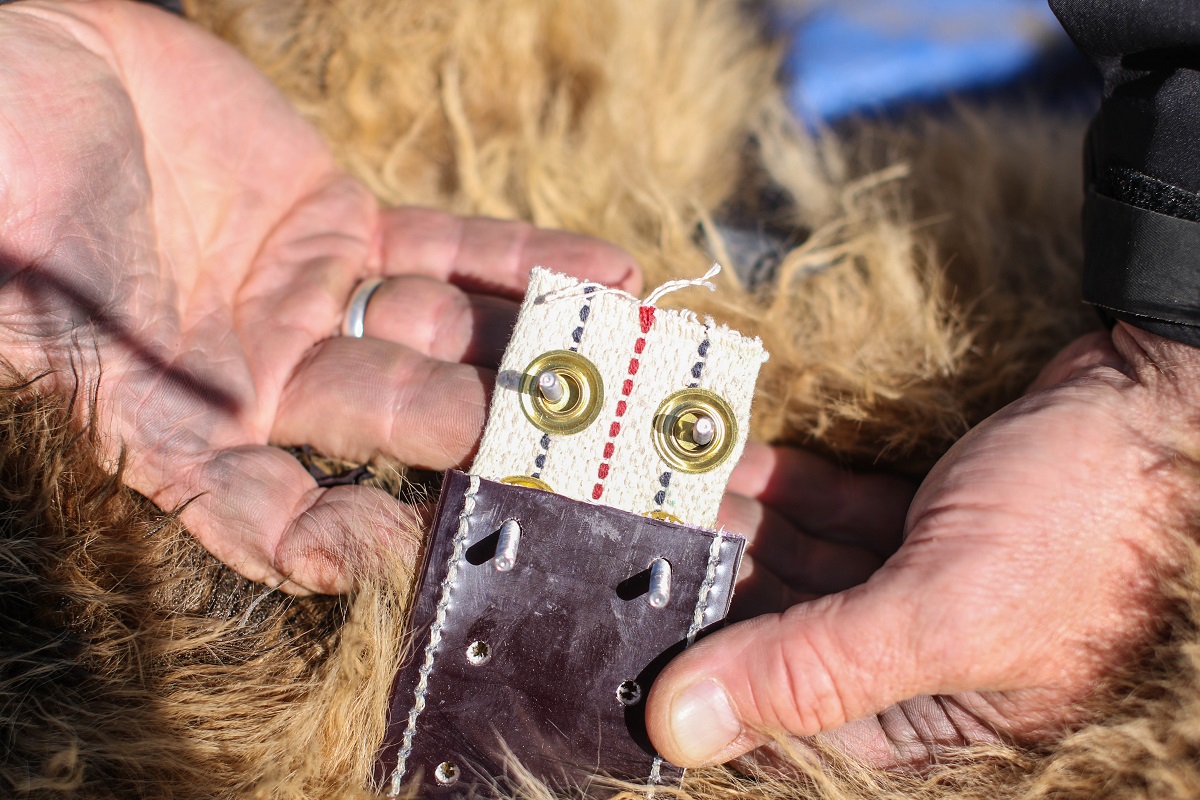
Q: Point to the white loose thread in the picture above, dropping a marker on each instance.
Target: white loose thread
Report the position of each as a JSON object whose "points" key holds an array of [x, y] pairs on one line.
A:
{"points": [[674, 286], [435, 634], [594, 289]]}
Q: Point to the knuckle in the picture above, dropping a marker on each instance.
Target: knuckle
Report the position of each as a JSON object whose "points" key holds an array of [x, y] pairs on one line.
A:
{"points": [[817, 688], [451, 322], [303, 557]]}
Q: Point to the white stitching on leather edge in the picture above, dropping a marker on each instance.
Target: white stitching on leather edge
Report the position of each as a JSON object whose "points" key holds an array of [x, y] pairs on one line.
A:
{"points": [[656, 772], [710, 578], [435, 635]]}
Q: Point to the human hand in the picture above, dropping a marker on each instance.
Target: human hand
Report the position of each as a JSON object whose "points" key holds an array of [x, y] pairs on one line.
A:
{"points": [[1028, 572], [812, 528], [173, 234]]}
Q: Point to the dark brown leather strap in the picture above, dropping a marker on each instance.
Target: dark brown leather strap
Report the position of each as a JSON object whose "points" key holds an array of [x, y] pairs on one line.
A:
{"points": [[551, 659]]}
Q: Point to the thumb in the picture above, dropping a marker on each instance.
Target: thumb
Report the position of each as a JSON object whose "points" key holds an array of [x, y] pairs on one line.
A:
{"points": [[814, 667], [1091, 350]]}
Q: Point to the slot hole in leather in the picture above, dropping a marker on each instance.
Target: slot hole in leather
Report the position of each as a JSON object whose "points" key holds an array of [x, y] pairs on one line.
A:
{"points": [[484, 550], [634, 587]]}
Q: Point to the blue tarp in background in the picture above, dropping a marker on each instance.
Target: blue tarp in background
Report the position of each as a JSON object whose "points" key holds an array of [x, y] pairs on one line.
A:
{"points": [[856, 58], [851, 57]]}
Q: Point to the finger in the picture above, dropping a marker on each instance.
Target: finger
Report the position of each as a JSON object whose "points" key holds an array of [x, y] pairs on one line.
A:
{"points": [[911, 733], [908, 735], [759, 592], [824, 499], [813, 668], [257, 509], [356, 398], [495, 256], [440, 320], [805, 563]]}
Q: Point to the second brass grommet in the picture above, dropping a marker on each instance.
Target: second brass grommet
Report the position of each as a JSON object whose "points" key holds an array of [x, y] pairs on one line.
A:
{"points": [[674, 420]]}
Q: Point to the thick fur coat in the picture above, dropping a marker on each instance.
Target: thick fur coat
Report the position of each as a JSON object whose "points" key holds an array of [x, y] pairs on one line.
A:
{"points": [[932, 268]]}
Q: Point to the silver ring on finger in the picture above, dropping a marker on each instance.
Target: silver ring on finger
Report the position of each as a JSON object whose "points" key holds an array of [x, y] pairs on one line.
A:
{"points": [[354, 321]]}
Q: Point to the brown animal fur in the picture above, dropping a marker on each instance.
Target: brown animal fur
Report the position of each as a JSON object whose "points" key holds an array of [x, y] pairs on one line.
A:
{"points": [[934, 271]]}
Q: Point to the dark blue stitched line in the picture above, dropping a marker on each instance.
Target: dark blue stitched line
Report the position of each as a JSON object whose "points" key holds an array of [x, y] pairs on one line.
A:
{"points": [[697, 370], [585, 311], [665, 481], [698, 367]]}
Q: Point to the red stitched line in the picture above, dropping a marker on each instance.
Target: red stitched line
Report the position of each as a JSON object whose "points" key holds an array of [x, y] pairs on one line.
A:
{"points": [[645, 319]]}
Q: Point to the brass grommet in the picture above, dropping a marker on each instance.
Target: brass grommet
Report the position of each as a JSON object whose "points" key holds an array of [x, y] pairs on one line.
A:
{"points": [[578, 392], [676, 440], [528, 482]]}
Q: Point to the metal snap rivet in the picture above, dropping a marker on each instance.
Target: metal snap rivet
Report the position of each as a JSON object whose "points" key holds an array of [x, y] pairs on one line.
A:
{"points": [[660, 583], [561, 392], [694, 430], [507, 544]]}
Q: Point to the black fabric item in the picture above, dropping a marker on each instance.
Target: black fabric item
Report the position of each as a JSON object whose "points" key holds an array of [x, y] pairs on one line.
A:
{"points": [[1149, 54], [1143, 191], [565, 629], [1134, 247], [1143, 160]]}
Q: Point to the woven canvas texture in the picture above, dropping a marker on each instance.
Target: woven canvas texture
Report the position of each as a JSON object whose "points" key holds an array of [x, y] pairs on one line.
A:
{"points": [[643, 354]]}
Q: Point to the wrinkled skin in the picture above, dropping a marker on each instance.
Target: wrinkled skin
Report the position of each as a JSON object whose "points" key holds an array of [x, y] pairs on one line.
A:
{"points": [[167, 218], [1024, 572]]}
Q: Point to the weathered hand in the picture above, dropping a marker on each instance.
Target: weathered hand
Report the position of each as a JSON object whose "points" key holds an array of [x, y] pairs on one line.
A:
{"points": [[172, 232], [812, 528], [1028, 571]]}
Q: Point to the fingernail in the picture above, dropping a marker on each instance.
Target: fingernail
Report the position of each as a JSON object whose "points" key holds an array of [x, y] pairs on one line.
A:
{"points": [[703, 722]]}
